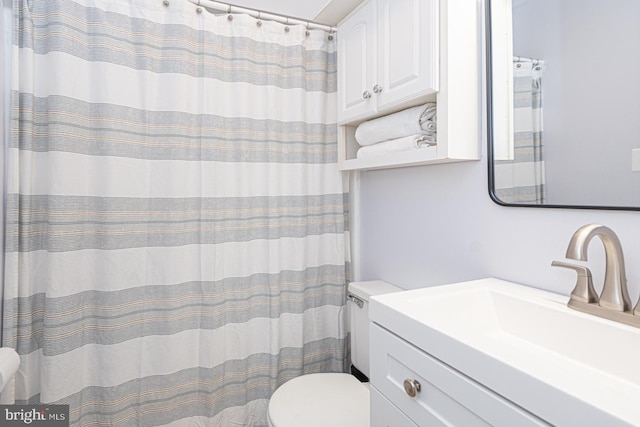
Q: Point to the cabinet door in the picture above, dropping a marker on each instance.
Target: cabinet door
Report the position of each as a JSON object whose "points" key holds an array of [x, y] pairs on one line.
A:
{"points": [[357, 64], [441, 395], [407, 49], [384, 414]]}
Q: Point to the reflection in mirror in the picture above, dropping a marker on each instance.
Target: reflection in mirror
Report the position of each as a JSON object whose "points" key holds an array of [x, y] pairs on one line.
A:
{"points": [[565, 103]]}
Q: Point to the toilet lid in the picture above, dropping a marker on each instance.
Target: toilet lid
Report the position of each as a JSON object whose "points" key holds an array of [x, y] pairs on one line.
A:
{"points": [[320, 400]]}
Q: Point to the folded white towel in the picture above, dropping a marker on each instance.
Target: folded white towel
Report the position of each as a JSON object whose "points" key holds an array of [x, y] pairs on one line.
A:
{"points": [[406, 143], [397, 125]]}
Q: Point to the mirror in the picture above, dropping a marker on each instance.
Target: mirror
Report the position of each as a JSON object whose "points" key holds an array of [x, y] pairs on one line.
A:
{"points": [[564, 103]]}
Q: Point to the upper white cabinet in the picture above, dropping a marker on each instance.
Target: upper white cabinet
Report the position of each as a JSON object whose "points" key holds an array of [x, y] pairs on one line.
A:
{"points": [[394, 54], [357, 63], [387, 56], [407, 51]]}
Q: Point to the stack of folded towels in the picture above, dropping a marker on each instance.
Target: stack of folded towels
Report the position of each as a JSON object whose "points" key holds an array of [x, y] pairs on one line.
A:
{"points": [[405, 130]]}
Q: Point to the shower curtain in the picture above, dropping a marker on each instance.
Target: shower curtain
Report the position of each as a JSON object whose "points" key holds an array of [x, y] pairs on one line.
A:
{"points": [[524, 176], [176, 221]]}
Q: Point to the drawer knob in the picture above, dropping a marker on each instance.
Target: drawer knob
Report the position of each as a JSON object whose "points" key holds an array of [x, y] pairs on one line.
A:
{"points": [[412, 387], [377, 89], [366, 94]]}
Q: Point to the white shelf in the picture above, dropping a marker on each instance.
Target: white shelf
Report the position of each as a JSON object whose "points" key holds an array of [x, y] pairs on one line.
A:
{"points": [[417, 157]]}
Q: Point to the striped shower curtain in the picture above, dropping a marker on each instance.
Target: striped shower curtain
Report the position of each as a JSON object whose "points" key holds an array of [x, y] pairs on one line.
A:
{"points": [[176, 221], [522, 179]]}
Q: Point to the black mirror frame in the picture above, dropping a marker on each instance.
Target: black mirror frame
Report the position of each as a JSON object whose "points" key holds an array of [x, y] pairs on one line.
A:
{"points": [[490, 154]]}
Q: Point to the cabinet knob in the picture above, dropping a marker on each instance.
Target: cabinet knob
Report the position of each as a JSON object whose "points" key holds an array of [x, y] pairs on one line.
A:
{"points": [[377, 89], [366, 94], [412, 387]]}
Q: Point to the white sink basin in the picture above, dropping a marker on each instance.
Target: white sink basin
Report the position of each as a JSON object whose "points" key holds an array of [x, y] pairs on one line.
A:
{"points": [[566, 367]]}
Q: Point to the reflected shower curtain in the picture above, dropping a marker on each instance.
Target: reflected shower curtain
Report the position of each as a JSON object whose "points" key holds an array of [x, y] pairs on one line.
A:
{"points": [[522, 180], [176, 220]]}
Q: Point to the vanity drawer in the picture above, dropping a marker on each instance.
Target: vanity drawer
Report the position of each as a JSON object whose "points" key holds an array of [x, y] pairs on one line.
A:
{"points": [[384, 414], [446, 397]]}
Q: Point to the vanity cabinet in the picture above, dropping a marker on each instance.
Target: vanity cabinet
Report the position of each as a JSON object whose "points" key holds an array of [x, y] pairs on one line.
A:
{"points": [[395, 54], [387, 56], [436, 394], [386, 414]]}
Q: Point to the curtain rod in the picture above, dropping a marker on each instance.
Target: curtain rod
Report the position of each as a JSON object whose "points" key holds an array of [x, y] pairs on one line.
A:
{"points": [[230, 8], [522, 59]]}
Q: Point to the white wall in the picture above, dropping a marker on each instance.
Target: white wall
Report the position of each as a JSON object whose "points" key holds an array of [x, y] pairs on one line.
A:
{"points": [[329, 12], [432, 225]]}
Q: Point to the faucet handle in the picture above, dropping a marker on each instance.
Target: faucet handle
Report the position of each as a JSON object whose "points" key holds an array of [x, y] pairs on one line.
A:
{"points": [[583, 291]]}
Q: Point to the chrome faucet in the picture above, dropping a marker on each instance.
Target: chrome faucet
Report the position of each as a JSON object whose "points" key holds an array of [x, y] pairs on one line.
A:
{"points": [[614, 302]]}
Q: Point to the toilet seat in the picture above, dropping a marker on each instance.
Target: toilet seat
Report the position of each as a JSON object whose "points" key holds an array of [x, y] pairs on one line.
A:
{"points": [[320, 400]]}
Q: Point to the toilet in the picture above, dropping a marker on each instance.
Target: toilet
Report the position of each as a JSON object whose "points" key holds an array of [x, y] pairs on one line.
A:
{"points": [[333, 399], [9, 364]]}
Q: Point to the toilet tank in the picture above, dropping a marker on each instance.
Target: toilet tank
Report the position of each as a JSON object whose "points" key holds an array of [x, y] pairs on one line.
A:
{"points": [[359, 294]]}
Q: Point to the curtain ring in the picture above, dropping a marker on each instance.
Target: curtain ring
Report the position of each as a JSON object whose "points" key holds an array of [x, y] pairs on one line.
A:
{"points": [[286, 29], [307, 33], [259, 22]]}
